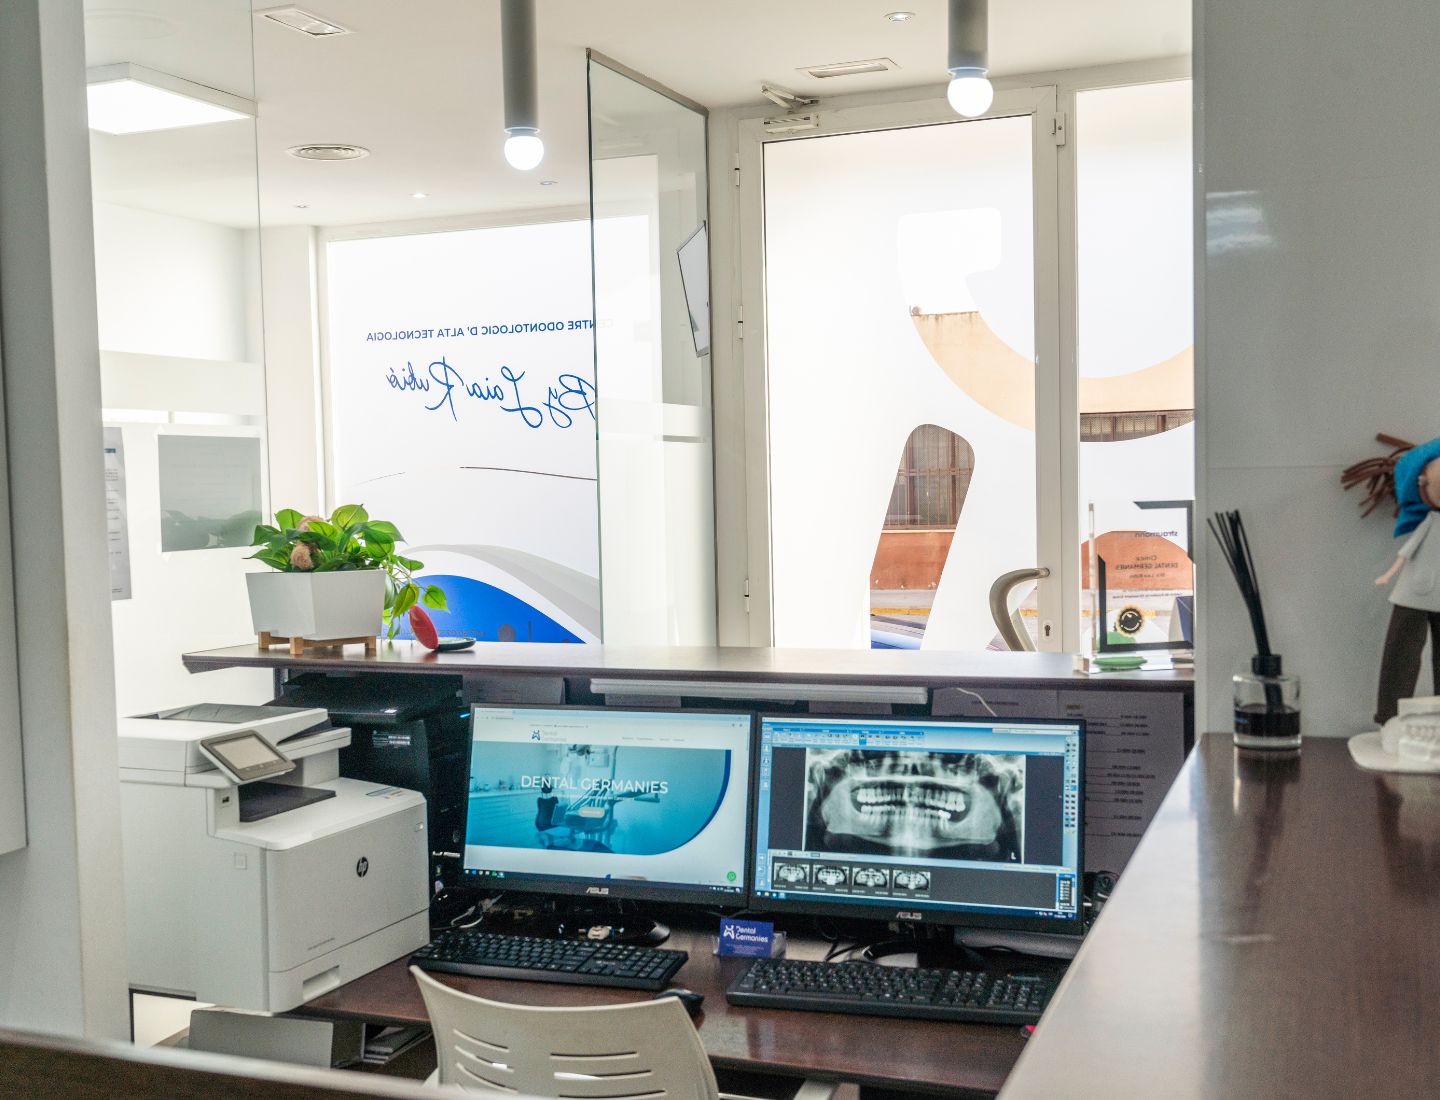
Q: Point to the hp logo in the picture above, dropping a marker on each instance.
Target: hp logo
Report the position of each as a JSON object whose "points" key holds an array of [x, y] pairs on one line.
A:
{"points": [[363, 867]]}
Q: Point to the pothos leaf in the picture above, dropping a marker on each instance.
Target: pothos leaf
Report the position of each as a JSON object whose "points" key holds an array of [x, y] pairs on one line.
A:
{"points": [[405, 599], [348, 514]]}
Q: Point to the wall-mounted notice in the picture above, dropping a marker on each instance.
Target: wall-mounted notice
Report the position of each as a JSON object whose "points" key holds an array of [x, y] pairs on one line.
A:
{"points": [[117, 526], [463, 409], [1134, 746]]}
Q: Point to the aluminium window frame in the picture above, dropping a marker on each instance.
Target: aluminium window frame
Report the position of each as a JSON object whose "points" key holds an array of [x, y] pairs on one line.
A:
{"points": [[743, 558]]}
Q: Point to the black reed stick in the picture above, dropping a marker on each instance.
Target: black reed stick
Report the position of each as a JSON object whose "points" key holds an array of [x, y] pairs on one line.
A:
{"points": [[1229, 531]]}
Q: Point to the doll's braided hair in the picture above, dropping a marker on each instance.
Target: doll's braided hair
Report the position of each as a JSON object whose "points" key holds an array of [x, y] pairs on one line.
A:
{"points": [[1377, 474]]}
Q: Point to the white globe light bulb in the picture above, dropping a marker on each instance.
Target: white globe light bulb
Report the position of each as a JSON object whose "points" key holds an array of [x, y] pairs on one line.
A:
{"points": [[524, 151], [971, 96]]}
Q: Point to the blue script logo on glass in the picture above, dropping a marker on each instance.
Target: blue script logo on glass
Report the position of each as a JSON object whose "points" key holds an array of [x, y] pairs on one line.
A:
{"points": [[445, 390]]}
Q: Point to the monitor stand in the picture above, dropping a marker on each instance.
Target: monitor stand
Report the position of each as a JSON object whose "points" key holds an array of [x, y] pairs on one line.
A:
{"points": [[611, 924], [930, 952], [615, 922]]}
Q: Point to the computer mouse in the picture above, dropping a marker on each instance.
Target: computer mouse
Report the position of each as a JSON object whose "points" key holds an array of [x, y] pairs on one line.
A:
{"points": [[689, 998]]}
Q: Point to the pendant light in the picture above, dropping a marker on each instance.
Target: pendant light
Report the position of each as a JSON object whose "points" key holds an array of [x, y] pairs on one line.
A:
{"points": [[523, 147], [970, 91]]}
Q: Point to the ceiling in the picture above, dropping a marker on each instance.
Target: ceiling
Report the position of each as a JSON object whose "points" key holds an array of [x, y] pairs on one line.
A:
{"points": [[418, 83]]}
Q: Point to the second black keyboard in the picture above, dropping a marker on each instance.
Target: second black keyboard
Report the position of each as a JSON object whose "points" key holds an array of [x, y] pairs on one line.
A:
{"points": [[867, 989], [537, 959]]}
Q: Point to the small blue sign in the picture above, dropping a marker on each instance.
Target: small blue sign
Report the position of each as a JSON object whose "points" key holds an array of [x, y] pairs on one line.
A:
{"points": [[751, 939]]}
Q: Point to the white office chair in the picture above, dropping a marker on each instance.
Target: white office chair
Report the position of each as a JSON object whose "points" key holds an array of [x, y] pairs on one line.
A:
{"points": [[609, 1052], [647, 1049]]}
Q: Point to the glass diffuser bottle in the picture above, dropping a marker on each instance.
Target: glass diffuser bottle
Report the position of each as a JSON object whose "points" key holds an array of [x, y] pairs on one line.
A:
{"points": [[1267, 706], [1267, 702]]}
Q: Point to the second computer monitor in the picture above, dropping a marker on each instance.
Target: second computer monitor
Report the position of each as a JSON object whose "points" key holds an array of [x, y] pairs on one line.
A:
{"points": [[603, 802], [956, 822]]}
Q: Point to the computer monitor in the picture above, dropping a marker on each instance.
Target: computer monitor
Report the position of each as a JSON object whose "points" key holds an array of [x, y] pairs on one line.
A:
{"points": [[922, 820], [608, 803]]}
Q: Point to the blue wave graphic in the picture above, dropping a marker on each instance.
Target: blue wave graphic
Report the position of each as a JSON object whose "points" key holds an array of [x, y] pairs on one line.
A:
{"points": [[480, 610]]}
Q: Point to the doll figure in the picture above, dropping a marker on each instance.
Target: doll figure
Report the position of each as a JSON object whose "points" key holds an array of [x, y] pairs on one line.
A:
{"points": [[1416, 572]]}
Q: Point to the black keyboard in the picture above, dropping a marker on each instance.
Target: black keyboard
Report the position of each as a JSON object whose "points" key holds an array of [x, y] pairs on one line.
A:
{"points": [[866, 989], [533, 959]]}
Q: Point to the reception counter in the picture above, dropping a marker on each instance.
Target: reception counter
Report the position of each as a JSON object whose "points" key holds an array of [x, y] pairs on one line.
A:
{"points": [[1277, 934], [1138, 724], [714, 663]]}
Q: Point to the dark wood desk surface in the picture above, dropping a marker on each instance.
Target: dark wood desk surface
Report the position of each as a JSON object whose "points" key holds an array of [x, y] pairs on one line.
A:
{"points": [[918, 1056], [1277, 934], [891, 667]]}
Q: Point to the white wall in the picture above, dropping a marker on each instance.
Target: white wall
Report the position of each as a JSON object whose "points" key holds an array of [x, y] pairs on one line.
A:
{"points": [[62, 923], [182, 601], [292, 375], [171, 286], [1320, 274]]}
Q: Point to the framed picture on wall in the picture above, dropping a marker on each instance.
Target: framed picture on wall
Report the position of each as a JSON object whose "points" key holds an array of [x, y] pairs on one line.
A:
{"points": [[210, 490]]}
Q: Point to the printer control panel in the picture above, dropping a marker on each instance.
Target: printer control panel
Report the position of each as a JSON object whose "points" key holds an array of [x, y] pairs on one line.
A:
{"points": [[245, 756]]}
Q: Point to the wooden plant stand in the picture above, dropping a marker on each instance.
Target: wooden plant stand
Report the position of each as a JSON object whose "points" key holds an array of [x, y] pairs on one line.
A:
{"points": [[298, 646]]}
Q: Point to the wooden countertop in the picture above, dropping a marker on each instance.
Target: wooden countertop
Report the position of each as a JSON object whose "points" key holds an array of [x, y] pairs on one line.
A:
{"points": [[916, 1055], [1277, 933], [822, 666]]}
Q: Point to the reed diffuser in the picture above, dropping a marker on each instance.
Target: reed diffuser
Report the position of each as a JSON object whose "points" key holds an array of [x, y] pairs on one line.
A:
{"points": [[1267, 702]]}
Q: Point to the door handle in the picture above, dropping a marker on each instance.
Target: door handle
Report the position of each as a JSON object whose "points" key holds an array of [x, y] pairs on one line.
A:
{"points": [[1007, 622]]}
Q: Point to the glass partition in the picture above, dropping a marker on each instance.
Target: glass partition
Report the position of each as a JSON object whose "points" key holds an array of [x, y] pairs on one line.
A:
{"points": [[1136, 359], [652, 364], [172, 103], [901, 351]]}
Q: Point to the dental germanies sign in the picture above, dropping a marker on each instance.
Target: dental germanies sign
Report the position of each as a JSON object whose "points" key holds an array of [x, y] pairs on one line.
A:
{"points": [[463, 407]]}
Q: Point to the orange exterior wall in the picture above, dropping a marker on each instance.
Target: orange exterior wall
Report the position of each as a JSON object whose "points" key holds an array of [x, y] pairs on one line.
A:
{"points": [[911, 559]]}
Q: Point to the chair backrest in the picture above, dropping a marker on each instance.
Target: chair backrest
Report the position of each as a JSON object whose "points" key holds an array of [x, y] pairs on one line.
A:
{"points": [[643, 1051]]}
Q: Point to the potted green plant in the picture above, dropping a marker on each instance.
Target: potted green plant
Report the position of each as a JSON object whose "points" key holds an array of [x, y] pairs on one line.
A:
{"points": [[340, 579]]}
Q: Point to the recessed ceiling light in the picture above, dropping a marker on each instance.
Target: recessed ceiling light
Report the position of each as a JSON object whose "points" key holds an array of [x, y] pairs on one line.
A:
{"points": [[419, 195], [899, 16], [131, 99], [329, 152], [298, 19], [548, 183]]}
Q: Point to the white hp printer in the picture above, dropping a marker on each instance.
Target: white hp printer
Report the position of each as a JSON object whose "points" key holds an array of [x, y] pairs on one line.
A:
{"points": [[255, 877]]}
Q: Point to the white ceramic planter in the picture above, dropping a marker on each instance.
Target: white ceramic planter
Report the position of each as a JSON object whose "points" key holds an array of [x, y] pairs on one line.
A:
{"points": [[317, 606]]}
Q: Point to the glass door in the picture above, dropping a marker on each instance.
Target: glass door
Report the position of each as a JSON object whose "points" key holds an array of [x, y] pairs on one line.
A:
{"points": [[910, 364], [649, 205]]}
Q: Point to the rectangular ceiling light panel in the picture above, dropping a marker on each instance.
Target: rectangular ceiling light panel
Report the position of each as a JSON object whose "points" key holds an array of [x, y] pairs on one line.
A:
{"points": [[850, 68], [298, 19], [131, 99]]}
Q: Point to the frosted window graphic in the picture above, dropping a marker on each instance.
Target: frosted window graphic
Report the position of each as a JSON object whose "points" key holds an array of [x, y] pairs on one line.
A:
{"points": [[463, 410], [900, 296]]}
